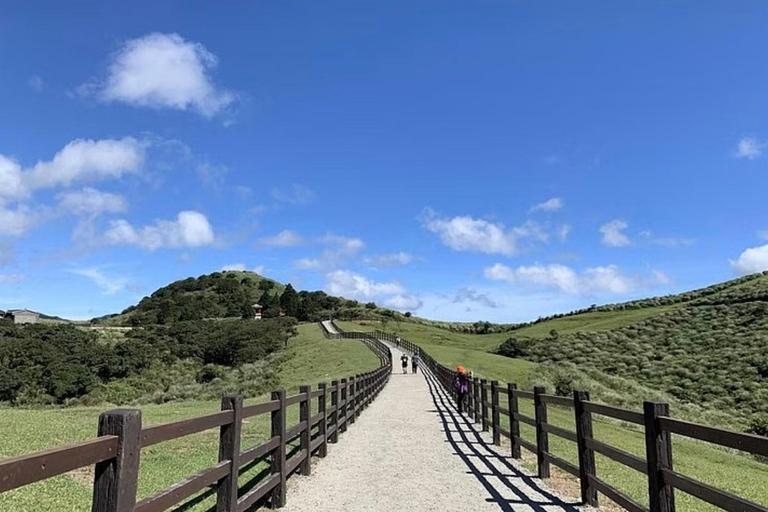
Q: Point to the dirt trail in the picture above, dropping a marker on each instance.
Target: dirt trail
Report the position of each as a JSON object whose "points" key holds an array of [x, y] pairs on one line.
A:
{"points": [[411, 450]]}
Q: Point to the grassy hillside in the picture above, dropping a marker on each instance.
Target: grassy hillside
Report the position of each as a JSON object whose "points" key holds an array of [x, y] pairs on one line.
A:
{"points": [[312, 359], [711, 351]]}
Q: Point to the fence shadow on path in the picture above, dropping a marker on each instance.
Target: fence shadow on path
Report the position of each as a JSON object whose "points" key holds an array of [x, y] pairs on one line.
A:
{"points": [[510, 488]]}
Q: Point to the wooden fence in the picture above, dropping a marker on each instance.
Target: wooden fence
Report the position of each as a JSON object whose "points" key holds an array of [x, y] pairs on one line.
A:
{"points": [[487, 402], [116, 452]]}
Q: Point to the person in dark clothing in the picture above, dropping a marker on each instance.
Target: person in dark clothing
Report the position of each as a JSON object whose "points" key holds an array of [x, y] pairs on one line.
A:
{"points": [[461, 386], [404, 361], [415, 362]]}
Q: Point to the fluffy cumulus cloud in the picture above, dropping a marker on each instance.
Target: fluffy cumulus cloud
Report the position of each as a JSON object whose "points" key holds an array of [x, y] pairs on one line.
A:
{"points": [[109, 285], [90, 201], [285, 238], [466, 233], [163, 71], [550, 205], [80, 160], [16, 221], [403, 302], [754, 259], [605, 279], [189, 229], [340, 250], [355, 286], [242, 267], [613, 233], [389, 260], [750, 148]]}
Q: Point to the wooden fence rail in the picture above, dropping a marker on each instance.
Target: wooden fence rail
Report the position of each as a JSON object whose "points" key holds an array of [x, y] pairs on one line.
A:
{"points": [[654, 419], [117, 450]]}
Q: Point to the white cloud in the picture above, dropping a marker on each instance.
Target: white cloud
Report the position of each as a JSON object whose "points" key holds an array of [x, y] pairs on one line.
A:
{"points": [[190, 229], [355, 286], [752, 260], [82, 160], [613, 235], [242, 267], [604, 279], [36, 82], [403, 302], [11, 179], [11, 278], [296, 195], [90, 201], [108, 285], [163, 71], [750, 148], [466, 233], [17, 221], [563, 232], [550, 205], [285, 238], [763, 234], [340, 250], [389, 260]]}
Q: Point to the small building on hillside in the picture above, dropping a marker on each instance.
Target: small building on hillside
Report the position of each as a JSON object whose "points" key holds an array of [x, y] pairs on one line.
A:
{"points": [[257, 311], [23, 316]]}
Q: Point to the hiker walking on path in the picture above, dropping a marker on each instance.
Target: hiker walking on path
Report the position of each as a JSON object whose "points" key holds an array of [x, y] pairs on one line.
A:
{"points": [[404, 360], [415, 362], [398, 341], [461, 386]]}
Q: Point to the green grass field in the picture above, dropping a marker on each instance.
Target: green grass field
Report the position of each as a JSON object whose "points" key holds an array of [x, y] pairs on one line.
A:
{"points": [[315, 359], [740, 474]]}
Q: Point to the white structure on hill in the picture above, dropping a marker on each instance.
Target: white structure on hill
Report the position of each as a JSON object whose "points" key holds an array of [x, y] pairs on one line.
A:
{"points": [[23, 316], [257, 311]]}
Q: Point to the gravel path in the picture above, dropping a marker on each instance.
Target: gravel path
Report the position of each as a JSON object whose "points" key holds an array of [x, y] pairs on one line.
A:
{"points": [[410, 450]]}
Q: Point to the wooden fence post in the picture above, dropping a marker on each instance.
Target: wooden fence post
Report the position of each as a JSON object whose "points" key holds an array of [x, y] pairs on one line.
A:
{"points": [[514, 423], [278, 457], [305, 412], [116, 479], [484, 404], [495, 418], [351, 397], [542, 437], [323, 426], [229, 449], [335, 412], [476, 387], [587, 465], [658, 448], [470, 405], [358, 394], [343, 405]]}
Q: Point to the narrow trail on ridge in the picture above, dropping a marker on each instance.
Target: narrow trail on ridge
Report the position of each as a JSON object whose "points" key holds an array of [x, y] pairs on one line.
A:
{"points": [[410, 448]]}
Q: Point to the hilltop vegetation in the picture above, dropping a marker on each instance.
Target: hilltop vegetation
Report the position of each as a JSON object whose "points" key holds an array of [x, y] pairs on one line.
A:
{"points": [[232, 294]]}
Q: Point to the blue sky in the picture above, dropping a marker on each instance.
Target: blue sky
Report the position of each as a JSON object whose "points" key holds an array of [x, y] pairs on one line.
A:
{"points": [[461, 160]]}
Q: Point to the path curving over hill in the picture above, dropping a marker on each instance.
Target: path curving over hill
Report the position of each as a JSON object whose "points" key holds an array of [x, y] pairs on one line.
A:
{"points": [[411, 450]]}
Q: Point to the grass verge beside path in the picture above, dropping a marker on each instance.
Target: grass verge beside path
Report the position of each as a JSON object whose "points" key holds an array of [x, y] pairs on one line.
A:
{"points": [[315, 359]]}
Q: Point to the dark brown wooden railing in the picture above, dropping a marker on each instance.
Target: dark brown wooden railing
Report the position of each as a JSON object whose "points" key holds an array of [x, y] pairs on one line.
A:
{"points": [[116, 452], [486, 406]]}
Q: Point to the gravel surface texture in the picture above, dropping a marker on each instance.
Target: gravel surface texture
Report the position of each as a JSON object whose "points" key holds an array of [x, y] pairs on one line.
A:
{"points": [[411, 450]]}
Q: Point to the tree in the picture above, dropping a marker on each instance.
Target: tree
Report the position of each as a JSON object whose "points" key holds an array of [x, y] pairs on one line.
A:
{"points": [[290, 302], [554, 334], [407, 314]]}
